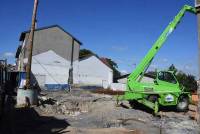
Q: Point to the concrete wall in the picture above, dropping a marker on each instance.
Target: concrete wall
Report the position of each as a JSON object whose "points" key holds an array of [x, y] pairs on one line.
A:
{"points": [[144, 80], [52, 51], [91, 71], [50, 69], [118, 87], [53, 39], [121, 85]]}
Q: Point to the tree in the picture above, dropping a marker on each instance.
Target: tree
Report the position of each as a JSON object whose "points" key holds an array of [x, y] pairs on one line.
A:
{"points": [[187, 80], [173, 68], [151, 74], [114, 67], [85, 52]]}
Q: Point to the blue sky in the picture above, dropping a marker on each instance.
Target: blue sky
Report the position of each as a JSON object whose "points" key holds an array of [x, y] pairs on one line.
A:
{"points": [[123, 30]]}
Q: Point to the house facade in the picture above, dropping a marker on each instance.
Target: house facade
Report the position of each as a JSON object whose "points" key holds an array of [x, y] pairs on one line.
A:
{"points": [[54, 52], [92, 71]]}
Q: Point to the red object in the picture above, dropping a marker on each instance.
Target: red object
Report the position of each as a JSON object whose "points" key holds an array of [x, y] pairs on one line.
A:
{"points": [[195, 98]]}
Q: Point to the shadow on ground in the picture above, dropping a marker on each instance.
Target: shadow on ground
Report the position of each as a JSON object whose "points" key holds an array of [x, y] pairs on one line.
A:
{"points": [[28, 121], [144, 108]]}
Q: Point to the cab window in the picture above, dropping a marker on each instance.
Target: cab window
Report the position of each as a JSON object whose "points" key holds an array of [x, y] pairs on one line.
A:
{"points": [[166, 76]]}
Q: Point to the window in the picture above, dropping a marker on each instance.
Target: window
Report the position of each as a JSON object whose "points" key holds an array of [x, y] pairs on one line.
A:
{"points": [[167, 76]]}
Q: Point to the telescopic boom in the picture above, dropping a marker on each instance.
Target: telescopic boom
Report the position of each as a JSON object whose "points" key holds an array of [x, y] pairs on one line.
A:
{"points": [[138, 73]]}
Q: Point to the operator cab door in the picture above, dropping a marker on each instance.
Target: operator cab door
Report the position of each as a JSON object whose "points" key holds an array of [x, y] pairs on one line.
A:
{"points": [[167, 81]]}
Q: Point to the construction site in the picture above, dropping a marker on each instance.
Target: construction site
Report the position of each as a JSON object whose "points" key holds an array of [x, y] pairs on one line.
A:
{"points": [[52, 86]]}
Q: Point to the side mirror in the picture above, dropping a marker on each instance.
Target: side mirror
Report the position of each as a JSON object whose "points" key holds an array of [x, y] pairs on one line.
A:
{"points": [[155, 82]]}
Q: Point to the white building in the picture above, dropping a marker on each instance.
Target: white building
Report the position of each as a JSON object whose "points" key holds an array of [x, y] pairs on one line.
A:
{"points": [[122, 81], [50, 70], [93, 72], [54, 52]]}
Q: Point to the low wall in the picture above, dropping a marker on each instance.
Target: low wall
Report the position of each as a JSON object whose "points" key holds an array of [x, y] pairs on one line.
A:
{"points": [[118, 87]]}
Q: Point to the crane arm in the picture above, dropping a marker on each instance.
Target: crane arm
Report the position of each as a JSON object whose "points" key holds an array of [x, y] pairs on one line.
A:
{"points": [[139, 71]]}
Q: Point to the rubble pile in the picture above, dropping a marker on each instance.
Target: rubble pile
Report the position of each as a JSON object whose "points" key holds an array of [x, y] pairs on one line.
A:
{"points": [[73, 103], [89, 110]]}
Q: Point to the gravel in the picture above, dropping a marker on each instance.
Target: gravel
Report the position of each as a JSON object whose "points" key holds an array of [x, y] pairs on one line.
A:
{"points": [[83, 109]]}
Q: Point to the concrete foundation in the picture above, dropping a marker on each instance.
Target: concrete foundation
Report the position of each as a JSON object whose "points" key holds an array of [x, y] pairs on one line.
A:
{"points": [[27, 97]]}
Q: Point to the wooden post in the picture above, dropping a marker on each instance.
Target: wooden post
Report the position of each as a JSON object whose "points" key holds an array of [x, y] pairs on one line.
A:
{"points": [[70, 78], [30, 47], [197, 5]]}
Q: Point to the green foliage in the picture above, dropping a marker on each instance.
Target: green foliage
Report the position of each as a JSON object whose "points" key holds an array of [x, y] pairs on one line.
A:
{"points": [[187, 80], [85, 52], [173, 68], [114, 67], [151, 74]]}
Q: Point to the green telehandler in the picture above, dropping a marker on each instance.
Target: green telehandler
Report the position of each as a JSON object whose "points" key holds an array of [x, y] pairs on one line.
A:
{"points": [[165, 89]]}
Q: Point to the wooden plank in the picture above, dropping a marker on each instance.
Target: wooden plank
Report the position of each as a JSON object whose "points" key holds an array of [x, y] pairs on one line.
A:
{"points": [[193, 108]]}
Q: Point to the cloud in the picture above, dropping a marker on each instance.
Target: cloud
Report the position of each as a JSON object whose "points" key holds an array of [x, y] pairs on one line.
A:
{"points": [[187, 67], [119, 61], [119, 48], [164, 60], [8, 54], [124, 71], [153, 66], [125, 61]]}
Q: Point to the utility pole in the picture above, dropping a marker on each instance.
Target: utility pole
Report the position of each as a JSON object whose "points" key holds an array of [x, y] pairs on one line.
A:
{"points": [[197, 5], [26, 96], [30, 47], [70, 78]]}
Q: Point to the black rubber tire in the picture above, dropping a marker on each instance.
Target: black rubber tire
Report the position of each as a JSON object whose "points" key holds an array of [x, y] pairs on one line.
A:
{"points": [[183, 103], [131, 103]]}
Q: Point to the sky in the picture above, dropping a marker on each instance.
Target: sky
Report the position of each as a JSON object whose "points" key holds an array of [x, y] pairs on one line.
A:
{"points": [[123, 30]]}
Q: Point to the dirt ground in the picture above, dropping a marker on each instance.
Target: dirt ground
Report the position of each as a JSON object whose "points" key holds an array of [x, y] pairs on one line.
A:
{"points": [[85, 112]]}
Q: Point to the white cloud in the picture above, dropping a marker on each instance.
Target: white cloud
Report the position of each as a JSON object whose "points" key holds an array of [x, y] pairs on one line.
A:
{"points": [[162, 60], [8, 54], [165, 60], [153, 67], [124, 71], [119, 61], [188, 67]]}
